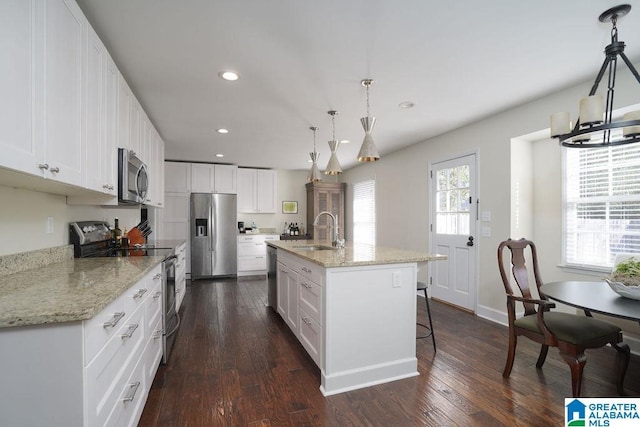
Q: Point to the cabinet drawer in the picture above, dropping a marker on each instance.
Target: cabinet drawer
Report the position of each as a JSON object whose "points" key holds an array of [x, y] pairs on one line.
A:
{"points": [[252, 248], [310, 270], [153, 352], [107, 373], [131, 397], [310, 298], [310, 336], [251, 239], [99, 329], [153, 307], [136, 295], [252, 263]]}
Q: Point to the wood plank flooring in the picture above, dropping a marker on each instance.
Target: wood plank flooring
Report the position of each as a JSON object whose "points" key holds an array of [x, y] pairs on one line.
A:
{"points": [[236, 363]]}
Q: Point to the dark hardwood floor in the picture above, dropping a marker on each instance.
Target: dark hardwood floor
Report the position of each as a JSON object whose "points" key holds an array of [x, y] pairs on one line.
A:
{"points": [[236, 363]]}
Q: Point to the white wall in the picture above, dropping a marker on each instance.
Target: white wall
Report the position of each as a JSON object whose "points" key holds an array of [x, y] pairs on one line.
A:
{"points": [[402, 186], [24, 213]]}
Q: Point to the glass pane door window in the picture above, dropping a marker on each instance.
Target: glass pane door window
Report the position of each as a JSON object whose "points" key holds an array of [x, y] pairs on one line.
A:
{"points": [[453, 200]]}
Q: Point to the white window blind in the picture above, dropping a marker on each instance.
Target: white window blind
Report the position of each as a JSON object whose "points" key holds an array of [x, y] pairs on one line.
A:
{"points": [[364, 212], [602, 204]]}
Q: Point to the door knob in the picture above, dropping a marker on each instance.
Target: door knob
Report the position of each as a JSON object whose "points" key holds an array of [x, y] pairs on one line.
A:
{"points": [[470, 242]]}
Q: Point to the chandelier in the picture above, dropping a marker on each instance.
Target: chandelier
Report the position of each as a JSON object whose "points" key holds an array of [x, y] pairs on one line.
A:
{"points": [[314, 173], [333, 166], [595, 126], [368, 151]]}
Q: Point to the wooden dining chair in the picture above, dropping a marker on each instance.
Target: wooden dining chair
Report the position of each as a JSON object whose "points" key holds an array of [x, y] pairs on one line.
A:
{"points": [[572, 334]]}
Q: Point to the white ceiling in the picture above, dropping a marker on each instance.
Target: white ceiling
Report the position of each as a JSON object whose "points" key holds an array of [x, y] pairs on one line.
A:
{"points": [[457, 60]]}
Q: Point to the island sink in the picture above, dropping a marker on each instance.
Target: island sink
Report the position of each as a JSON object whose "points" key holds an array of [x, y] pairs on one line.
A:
{"points": [[314, 248]]}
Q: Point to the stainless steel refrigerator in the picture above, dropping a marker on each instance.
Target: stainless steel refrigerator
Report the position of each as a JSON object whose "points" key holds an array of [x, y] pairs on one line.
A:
{"points": [[213, 235]]}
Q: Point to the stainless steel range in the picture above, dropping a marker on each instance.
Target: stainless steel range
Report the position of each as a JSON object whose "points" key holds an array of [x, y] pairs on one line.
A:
{"points": [[92, 239]]}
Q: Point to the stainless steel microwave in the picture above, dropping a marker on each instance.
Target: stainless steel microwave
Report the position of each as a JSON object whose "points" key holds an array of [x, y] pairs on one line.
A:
{"points": [[133, 180]]}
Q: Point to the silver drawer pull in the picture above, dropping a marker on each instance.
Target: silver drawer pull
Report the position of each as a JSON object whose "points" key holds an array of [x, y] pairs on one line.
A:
{"points": [[114, 321], [306, 270], [133, 389], [139, 293], [283, 271], [306, 320], [54, 170], [306, 285], [157, 295], [157, 334], [157, 276], [130, 331], [43, 166]]}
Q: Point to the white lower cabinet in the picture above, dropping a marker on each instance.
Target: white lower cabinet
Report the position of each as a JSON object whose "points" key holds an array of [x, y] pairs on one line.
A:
{"points": [[299, 301], [93, 373], [181, 274], [252, 253]]}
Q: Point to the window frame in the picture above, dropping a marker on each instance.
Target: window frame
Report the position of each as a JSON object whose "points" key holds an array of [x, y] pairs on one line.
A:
{"points": [[355, 223]]}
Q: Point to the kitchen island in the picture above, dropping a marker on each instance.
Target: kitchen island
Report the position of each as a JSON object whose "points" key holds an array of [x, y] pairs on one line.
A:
{"points": [[353, 309]]}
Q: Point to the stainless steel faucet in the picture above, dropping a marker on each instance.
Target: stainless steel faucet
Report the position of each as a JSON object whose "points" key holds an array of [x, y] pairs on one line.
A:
{"points": [[337, 242]]}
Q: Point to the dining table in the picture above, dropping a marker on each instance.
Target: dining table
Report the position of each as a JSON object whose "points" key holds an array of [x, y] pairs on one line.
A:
{"points": [[592, 296]]}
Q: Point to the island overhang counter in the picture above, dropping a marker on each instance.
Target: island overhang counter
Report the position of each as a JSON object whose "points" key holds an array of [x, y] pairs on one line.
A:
{"points": [[353, 309]]}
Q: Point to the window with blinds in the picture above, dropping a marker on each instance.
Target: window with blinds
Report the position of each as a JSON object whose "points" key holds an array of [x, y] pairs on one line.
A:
{"points": [[364, 212], [602, 204]]}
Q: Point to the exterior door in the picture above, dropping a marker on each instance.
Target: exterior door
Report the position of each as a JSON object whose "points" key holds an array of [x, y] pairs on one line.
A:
{"points": [[453, 223]]}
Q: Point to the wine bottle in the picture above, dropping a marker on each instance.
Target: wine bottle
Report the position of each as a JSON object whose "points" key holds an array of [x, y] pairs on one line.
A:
{"points": [[117, 233]]}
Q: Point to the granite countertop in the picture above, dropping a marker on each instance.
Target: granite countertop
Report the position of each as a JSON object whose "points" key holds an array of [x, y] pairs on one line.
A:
{"points": [[165, 243], [352, 254], [68, 291]]}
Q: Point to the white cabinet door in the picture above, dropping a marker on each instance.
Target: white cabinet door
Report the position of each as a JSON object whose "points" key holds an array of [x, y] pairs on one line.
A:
{"points": [[21, 142], [202, 178], [225, 179], [257, 190], [125, 101], [65, 47], [177, 177], [266, 191], [95, 129], [246, 190], [159, 174], [110, 153], [134, 125]]}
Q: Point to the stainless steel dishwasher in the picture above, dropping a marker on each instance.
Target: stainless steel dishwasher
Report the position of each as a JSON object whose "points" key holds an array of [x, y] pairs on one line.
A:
{"points": [[272, 285]]}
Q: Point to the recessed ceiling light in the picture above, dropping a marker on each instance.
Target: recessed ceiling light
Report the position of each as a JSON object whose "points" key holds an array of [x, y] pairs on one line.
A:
{"points": [[219, 155], [344, 141], [229, 75], [222, 130], [406, 104]]}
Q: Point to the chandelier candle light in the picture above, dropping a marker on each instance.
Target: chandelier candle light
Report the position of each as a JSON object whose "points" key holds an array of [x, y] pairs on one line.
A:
{"points": [[595, 123], [368, 151], [333, 166], [314, 174]]}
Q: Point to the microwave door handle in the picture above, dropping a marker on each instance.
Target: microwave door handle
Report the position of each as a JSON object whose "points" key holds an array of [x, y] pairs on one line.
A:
{"points": [[141, 192]]}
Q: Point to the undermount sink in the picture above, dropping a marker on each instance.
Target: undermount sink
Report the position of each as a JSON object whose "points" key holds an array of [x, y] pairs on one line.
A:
{"points": [[314, 248]]}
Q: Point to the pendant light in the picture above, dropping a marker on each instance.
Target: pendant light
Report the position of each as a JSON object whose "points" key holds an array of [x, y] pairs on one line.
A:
{"points": [[333, 166], [368, 151], [595, 124], [314, 174]]}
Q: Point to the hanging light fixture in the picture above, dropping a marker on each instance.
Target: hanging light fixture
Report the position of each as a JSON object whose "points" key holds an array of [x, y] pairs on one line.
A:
{"points": [[314, 173], [368, 151], [595, 126], [333, 166]]}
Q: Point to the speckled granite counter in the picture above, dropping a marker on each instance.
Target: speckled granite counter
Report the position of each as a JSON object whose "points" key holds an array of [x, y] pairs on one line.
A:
{"points": [[68, 291], [352, 255]]}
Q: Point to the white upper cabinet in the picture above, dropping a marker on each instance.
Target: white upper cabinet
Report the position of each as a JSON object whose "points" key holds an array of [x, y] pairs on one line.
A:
{"points": [[257, 190], [21, 140], [226, 179], [65, 47], [125, 102], [95, 128], [212, 178], [177, 177]]}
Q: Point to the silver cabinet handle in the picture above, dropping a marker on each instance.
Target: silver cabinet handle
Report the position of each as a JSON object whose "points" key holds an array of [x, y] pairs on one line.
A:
{"points": [[157, 295], [133, 389], [106, 186], [43, 166], [157, 276], [306, 270], [139, 293], [114, 321], [283, 271], [130, 331], [306, 285], [306, 320], [54, 170], [157, 334]]}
